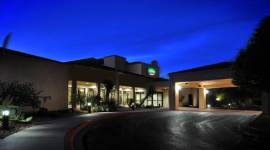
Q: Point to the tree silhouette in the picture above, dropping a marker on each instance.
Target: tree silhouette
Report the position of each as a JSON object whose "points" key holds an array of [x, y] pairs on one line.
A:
{"points": [[250, 69], [6, 40], [109, 86], [150, 91]]}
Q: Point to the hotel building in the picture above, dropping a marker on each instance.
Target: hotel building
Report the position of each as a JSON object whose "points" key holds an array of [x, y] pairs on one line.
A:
{"points": [[60, 79]]}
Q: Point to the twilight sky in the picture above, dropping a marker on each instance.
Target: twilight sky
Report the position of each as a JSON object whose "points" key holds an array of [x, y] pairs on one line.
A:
{"points": [[179, 34]]}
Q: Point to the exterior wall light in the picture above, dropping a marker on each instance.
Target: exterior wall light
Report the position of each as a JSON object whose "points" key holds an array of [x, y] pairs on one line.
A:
{"points": [[5, 119], [230, 105], [5, 113], [208, 106], [206, 91], [89, 104], [178, 88]]}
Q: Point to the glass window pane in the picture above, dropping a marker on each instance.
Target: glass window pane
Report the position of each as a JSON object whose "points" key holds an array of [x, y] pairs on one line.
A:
{"points": [[155, 96], [160, 96]]}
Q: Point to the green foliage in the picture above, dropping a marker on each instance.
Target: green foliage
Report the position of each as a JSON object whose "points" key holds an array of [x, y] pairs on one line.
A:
{"points": [[110, 105], [150, 91], [250, 70], [20, 94], [220, 97], [94, 100], [224, 96], [26, 120], [16, 114], [109, 84]]}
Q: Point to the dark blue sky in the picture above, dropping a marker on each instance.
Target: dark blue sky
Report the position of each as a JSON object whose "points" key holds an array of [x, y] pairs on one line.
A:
{"points": [[180, 34]]}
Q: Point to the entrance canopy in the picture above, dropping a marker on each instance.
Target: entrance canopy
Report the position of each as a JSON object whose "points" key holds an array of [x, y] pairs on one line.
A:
{"points": [[201, 79], [207, 84]]}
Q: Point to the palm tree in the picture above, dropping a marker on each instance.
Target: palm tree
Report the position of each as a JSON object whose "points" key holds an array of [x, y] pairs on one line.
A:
{"points": [[6, 40], [109, 84], [150, 91]]}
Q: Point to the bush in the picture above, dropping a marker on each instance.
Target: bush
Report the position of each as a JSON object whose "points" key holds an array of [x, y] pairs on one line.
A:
{"points": [[110, 105], [20, 94]]}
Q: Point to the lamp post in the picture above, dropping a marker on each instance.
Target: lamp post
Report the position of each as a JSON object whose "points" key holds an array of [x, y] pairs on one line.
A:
{"points": [[89, 107], [5, 119]]}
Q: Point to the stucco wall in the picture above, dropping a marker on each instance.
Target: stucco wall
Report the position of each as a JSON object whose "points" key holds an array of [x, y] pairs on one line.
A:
{"points": [[213, 74], [47, 76], [92, 74], [135, 68], [184, 94]]}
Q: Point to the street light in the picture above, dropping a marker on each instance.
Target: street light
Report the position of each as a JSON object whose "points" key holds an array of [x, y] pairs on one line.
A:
{"points": [[5, 119], [89, 104]]}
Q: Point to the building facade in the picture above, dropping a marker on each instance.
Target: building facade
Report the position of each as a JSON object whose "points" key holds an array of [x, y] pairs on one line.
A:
{"points": [[60, 80]]}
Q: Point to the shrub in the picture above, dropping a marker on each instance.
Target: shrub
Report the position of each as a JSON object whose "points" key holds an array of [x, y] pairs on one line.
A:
{"points": [[20, 94]]}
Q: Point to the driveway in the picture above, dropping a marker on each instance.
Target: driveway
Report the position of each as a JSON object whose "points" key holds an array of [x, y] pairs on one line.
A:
{"points": [[168, 130], [139, 130]]}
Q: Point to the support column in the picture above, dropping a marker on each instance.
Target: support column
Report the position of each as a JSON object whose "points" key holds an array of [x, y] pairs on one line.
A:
{"points": [[98, 89], [117, 86], [202, 99], [173, 96], [195, 97], [73, 93], [177, 98], [117, 93], [133, 92]]}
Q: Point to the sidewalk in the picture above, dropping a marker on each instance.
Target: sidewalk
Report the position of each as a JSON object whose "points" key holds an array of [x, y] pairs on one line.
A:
{"points": [[231, 111], [47, 136]]}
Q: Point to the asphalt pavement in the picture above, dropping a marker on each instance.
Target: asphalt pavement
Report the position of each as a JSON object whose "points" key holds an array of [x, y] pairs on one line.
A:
{"points": [[168, 131], [138, 130]]}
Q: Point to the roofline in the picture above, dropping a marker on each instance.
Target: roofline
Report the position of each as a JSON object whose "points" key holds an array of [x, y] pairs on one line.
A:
{"points": [[227, 64], [83, 59], [18, 53], [137, 62], [126, 72], [115, 56]]}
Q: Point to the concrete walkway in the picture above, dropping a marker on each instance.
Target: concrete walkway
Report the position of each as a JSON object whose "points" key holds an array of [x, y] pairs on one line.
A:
{"points": [[230, 111], [47, 136]]}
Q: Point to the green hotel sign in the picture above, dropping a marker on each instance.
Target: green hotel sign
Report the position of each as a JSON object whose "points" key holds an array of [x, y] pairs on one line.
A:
{"points": [[151, 71]]}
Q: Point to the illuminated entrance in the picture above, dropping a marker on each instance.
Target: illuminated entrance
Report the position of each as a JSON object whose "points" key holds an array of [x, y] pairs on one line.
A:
{"points": [[125, 95], [84, 89], [198, 81], [199, 89]]}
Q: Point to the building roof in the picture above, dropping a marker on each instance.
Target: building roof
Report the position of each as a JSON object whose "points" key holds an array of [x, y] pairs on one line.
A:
{"points": [[220, 65], [91, 62], [87, 61], [112, 69], [13, 52]]}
